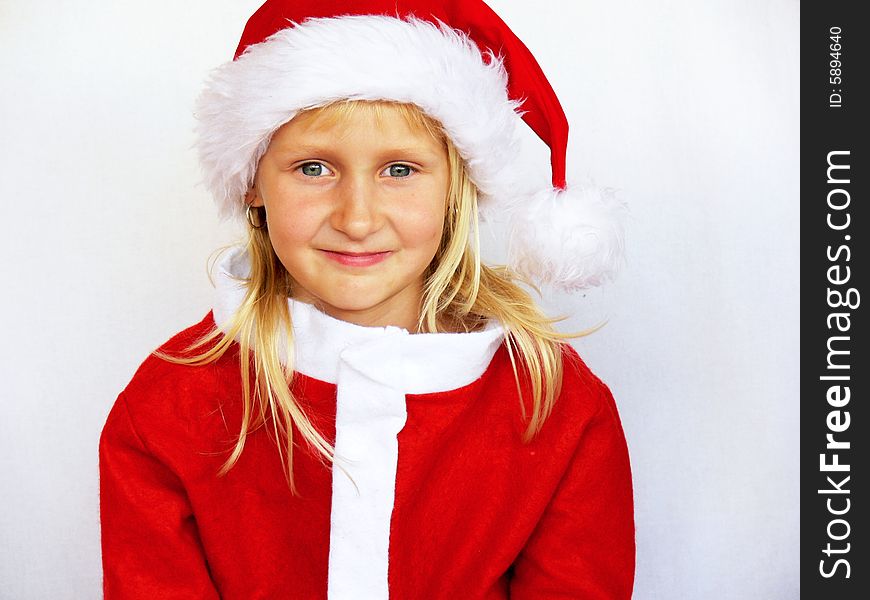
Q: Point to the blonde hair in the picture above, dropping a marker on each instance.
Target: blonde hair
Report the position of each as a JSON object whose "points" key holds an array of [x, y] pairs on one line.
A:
{"points": [[460, 293]]}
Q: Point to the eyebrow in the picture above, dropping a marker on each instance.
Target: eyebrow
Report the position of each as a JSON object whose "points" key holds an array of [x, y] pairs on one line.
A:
{"points": [[412, 152], [326, 149]]}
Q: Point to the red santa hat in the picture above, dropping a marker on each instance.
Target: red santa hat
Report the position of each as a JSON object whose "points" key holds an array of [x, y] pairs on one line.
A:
{"points": [[457, 61]]}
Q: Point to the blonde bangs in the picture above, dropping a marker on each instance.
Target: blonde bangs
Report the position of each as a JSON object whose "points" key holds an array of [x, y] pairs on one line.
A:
{"points": [[340, 113]]}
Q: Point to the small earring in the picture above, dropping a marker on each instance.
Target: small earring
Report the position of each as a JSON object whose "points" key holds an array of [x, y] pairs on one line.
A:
{"points": [[260, 221]]}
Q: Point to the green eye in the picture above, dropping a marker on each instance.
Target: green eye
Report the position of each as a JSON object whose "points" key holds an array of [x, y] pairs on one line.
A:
{"points": [[314, 169], [400, 170]]}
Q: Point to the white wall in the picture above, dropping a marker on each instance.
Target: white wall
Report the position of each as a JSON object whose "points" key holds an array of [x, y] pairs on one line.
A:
{"points": [[690, 108]]}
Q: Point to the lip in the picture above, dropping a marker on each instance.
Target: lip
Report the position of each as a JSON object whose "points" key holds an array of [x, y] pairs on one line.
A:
{"points": [[357, 259]]}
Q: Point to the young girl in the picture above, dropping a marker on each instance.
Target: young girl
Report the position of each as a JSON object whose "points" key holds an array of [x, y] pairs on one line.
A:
{"points": [[368, 411]]}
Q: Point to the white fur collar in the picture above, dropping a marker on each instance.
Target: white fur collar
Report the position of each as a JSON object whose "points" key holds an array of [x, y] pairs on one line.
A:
{"points": [[415, 363]]}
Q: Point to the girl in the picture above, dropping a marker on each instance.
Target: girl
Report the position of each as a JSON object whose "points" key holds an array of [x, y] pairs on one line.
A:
{"points": [[369, 411]]}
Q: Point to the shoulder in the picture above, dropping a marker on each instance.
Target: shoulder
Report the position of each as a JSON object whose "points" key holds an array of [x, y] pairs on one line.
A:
{"points": [[581, 396], [580, 386], [577, 376], [583, 399], [576, 371], [159, 374], [165, 399]]}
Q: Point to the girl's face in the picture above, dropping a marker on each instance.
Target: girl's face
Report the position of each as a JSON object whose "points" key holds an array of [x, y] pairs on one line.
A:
{"points": [[355, 212]]}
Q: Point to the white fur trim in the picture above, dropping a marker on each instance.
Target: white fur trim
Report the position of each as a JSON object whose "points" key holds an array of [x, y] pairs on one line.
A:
{"points": [[230, 273], [570, 239], [365, 57], [373, 368]]}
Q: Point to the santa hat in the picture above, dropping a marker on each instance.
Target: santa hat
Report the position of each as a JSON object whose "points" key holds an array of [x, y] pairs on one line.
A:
{"points": [[457, 61]]}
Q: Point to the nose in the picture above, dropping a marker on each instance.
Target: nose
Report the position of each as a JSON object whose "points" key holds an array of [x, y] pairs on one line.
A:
{"points": [[356, 212]]}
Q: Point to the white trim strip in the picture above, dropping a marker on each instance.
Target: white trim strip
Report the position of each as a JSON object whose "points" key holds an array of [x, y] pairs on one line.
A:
{"points": [[369, 417]]}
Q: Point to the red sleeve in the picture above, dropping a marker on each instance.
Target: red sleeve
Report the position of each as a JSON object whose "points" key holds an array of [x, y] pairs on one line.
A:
{"points": [[583, 547], [151, 547]]}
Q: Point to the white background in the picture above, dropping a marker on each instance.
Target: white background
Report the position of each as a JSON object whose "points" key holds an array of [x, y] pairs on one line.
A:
{"points": [[689, 108]]}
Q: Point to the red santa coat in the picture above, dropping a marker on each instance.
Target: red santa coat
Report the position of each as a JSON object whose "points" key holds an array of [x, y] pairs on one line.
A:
{"points": [[436, 497]]}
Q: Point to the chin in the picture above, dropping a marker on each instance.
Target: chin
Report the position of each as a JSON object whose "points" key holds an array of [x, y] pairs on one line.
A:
{"points": [[381, 293], [355, 305], [352, 298]]}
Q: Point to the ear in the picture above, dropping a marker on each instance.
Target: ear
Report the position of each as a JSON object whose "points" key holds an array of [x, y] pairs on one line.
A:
{"points": [[252, 197]]}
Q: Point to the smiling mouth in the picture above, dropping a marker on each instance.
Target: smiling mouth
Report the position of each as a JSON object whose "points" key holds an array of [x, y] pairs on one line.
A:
{"points": [[357, 259]]}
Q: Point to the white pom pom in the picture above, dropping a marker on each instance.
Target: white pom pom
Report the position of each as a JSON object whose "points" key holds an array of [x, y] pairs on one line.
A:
{"points": [[570, 239]]}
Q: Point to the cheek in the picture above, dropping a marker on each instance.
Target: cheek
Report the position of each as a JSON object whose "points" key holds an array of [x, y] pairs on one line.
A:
{"points": [[293, 215], [422, 220], [422, 229], [291, 242], [293, 224]]}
